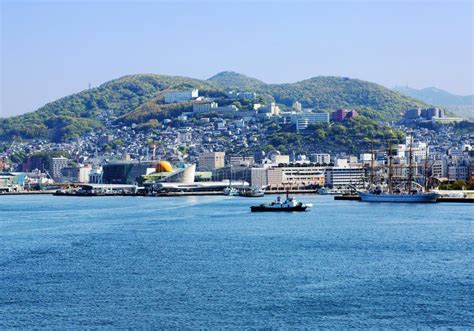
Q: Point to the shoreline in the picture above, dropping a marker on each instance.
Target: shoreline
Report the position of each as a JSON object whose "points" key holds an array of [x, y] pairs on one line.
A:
{"points": [[217, 193]]}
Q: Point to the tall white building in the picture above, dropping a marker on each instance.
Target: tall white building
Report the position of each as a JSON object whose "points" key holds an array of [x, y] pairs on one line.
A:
{"points": [[297, 106], [181, 96]]}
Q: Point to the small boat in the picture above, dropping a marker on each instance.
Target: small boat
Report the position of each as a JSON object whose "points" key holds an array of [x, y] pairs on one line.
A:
{"points": [[231, 191], [328, 191], [290, 204], [252, 192]]}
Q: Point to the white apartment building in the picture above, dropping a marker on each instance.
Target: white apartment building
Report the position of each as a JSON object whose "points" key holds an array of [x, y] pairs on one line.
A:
{"points": [[181, 96], [297, 106], [321, 158], [303, 120], [342, 177], [204, 107]]}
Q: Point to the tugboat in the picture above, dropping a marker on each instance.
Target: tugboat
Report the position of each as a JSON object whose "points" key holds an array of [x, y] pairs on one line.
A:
{"points": [[290, 204]]}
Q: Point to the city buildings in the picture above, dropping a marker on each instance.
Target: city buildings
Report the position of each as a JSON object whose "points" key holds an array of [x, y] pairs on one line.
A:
{"points": [[433, 115]]}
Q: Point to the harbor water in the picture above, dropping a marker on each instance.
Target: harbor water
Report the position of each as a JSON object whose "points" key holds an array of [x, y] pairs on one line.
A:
{"points": [[207, 262]]}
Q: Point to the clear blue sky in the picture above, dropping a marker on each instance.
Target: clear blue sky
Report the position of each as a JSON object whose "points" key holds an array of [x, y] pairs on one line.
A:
{"points": [[52, 49]]}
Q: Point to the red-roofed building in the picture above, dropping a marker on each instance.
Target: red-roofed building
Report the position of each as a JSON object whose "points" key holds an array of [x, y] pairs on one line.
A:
{"points": [[343, 114]]}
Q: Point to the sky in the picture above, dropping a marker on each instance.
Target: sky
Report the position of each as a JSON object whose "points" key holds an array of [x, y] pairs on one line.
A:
{"points": [[56, 48]]}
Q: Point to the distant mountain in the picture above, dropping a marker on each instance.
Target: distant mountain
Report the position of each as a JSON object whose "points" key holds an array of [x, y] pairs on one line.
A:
{"points": [[231, 79], [436, 96], [139, 99], [463, 105]]}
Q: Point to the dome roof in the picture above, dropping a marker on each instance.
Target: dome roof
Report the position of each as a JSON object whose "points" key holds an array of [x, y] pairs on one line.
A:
{"points": [[163, 166]]}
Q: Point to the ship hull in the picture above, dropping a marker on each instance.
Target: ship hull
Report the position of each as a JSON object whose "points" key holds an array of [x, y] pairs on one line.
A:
{"points": [[277, 209], [401, 198]]}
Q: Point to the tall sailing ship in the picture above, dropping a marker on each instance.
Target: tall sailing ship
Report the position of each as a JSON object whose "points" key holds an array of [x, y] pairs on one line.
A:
{"points": [[409, 195]]}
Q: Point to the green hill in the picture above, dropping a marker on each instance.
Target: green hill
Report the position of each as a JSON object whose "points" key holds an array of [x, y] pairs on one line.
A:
{"points": [[234, 80], [136, 99], [329, 93]]}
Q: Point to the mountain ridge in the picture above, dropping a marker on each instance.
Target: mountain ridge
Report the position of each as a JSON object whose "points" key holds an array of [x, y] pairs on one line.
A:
{"points": [[87, 110], [436, 96]]}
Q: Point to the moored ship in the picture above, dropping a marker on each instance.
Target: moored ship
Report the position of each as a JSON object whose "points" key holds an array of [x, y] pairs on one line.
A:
{"points": [[410, 192], [252, 192], [426, 197]]}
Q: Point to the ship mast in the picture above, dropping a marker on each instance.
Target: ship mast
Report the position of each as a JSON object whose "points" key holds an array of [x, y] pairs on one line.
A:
{"points": [[372, 170], [425, 171], [390, 174], [410, 165]]}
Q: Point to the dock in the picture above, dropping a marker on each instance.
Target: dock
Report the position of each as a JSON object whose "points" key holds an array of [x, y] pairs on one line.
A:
{"points": [[442, 199]]}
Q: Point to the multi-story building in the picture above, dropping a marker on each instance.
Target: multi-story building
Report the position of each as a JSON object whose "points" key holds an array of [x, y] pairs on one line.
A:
{"points": [[205, 107], [241, 160], [439, 169], [211, 161], [76, 174], [297, 106], [181, 96], [33, 162], [303, 120], [343, 114], [247, 95], [55, 166], [95, 176], [126, 172], [320, 158], [458, 172], [229, 109], [268, 111], [343, 177], [295, 176]]}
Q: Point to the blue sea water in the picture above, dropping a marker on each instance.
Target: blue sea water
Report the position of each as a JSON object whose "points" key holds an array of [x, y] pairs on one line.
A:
{"points": [[207, 262]]}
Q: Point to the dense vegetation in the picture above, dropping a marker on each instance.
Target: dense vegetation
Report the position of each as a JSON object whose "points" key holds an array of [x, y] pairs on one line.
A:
{"points": [[329, 93], [138, 99], [351, 136]]}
